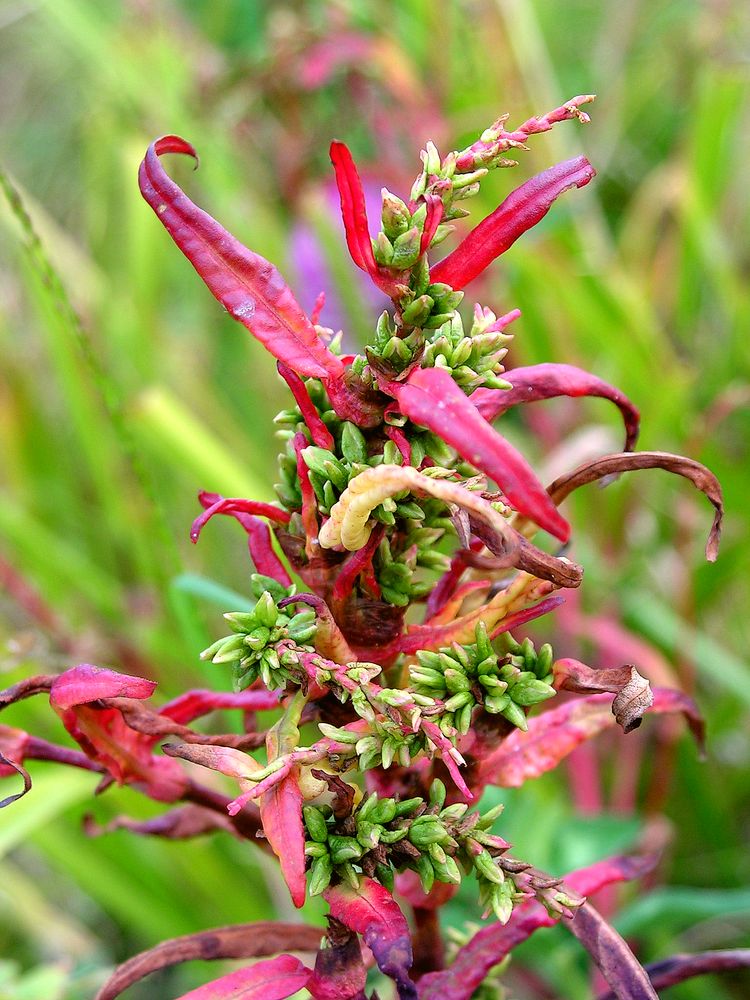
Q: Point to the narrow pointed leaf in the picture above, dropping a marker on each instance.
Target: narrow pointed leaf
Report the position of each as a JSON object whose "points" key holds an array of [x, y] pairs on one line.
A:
{"points": [[490, 945], [617, 963], [246, 284], [556, 733], [259, 541], [431, 222], [678, 968], [281, 815], [240, 941], [613, 465], [372, 912], [432, 399], [522, 209], [274, 979], [547, 381]]}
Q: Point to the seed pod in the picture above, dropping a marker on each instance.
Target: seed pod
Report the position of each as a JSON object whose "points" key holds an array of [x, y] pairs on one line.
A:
{"points": [[315, 850], [456, 680], [544, 660], [406, 249], [406, 806], [382, 249], [241, 621], [463, 718], [320, 875], [424, 834], [368, 834], [531, 692], [266, 611], [486, 821], [423, 868], [459, 700], [455, 811], [315, 823], [485, 865], [384, 875], [438, 793], [501, 901], [417, 311], [395, 215], [496, 704], [393, 836], [258, 638], [388, 751], [384, 811], [344, 848], [365, 810], [515, 715], [447, 870]]}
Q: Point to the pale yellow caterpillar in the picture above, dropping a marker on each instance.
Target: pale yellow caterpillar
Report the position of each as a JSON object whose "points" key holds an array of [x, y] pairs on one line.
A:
{"points": [[349, 524]]}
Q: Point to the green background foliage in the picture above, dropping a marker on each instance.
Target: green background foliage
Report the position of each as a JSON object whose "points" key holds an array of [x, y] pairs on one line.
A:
{"points": [[125, 388]]}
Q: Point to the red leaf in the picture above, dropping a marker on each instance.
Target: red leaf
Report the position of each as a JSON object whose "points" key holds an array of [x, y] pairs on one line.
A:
{"points": [[236, 505], [339, 972], [79, 696], [281, 815], [321, 436], [372, 912], [272, 979], [246, 284], [548, 381], [556, 733], [432, 399], [492, 943], [522, 209], [11, 766], [193, 704], [258, 540], [431, 222]]}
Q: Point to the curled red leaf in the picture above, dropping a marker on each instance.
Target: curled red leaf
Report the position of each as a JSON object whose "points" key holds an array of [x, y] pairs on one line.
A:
{"points": [[234, 506], [321, 436], [7, 765], [259, 541], [432, 399], [246, 284], [613, 465], [633, 695], [431, 222], [547, 381], [522, 209]]}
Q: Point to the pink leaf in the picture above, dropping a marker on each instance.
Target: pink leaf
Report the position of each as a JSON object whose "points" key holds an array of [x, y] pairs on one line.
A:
{"points": [[272, 979], [554, 734], [431, 222], [339, 972], [547, 381], [193, 704], [321, 436], [13, 746], [522, 209], [246, 284], [281, 815], [492, 943], [432, 399], [258, 540], [236, 505], [372, 912], [676, 969], [80, 696], [85, 683]]}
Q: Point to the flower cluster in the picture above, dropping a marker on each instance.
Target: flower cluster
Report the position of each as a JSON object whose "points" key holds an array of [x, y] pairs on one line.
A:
{"points": [[396, 494]]}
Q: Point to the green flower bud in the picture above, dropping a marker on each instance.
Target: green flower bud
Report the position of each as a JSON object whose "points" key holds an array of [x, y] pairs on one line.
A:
{"points": [[516, 716], [447, 870], [395, 215], [382, 249], [423, 868], [344, 848], [406, 806], [459, 700], [417, 311], [384, 874], [320, 875], [406, 249], [531, 692], [486, 866], [266, 611], [368, 834], [438, 793], [463, 718], [456, 680], [315, 850], [353, 443], [315, 823], [383, 812]]}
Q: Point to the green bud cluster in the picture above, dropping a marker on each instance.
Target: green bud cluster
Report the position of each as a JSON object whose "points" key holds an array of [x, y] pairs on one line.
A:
{"points": [[251, 648], [473, 360], [465, 676], [383, 836]]}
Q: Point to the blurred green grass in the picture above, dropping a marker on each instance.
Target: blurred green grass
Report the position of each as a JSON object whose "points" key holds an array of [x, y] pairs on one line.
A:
{"points": [[125, 389]]}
